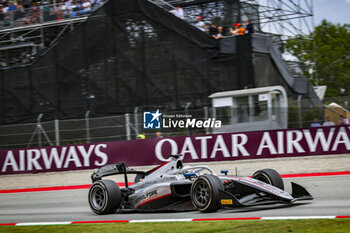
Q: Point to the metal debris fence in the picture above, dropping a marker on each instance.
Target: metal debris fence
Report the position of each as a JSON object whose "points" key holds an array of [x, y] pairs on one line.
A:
{"points": [[129, 125]]}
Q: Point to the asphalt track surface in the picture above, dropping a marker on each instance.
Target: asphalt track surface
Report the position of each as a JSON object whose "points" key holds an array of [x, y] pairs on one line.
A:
{"points": [[331, 195]]}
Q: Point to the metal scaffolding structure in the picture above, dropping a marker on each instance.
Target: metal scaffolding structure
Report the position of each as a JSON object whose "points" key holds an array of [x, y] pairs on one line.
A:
{"points": [[280, 19], [21, 45], [27, 33], [283, 18]]}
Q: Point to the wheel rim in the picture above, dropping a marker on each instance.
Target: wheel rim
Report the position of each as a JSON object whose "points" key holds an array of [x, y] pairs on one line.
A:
{"points": [[98, 197], [201, 193]]}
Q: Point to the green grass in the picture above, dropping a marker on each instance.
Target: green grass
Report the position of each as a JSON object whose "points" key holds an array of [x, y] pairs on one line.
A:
{"points": [[251, 226]]}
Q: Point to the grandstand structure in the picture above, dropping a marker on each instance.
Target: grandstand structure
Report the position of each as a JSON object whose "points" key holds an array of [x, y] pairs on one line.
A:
{"points": [[27, 33], [21, 43], [135, 53]]}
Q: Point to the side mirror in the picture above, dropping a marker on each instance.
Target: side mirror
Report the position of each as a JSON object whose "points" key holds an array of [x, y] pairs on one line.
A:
{"points": [[224, 172]]}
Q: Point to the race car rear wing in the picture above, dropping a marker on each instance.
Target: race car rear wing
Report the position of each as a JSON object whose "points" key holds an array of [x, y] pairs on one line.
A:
{"points": [[116, 169]]}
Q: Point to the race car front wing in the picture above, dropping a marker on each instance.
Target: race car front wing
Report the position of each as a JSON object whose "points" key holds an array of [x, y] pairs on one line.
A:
{"points": [[260, 198]]}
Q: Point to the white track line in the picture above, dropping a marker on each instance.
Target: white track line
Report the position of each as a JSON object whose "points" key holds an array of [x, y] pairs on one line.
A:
{"points": [[162, 220], [42, 223]]}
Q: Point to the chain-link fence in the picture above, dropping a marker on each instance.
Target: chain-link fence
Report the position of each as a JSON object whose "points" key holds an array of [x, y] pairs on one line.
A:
{"points": [[99, 129], [128, 126]]}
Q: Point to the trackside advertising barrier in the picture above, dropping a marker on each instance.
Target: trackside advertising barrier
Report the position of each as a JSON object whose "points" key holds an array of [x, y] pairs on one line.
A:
{"points": [[197, 148]]}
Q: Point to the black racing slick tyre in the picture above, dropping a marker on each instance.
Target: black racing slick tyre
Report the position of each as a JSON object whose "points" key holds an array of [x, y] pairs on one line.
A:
{"points": [[205, 194], [269, 176], [104, 197]]}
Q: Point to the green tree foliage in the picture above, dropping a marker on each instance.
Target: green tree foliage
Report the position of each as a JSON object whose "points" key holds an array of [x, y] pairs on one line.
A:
{"points": [[332, 50]]}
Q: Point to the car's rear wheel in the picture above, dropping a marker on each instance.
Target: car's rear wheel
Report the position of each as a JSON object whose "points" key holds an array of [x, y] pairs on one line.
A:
{"points": [[269, 176], [205, 193], [104, 197]]}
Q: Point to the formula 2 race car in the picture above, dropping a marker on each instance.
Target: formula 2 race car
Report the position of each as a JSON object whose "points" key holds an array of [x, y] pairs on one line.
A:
{"points": [[173, 186]]}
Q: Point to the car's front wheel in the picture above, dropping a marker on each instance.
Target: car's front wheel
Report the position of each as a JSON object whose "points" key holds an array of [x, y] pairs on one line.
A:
{"points": [[104, 197], [205, 193], [269, 176]]}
